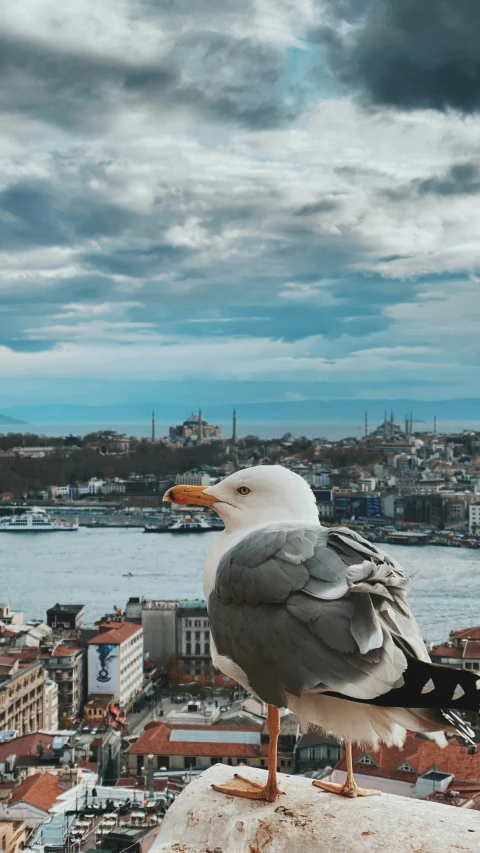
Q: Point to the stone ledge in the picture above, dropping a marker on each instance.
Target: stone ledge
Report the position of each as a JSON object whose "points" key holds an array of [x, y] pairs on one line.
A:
{"points": [[307, 819]]}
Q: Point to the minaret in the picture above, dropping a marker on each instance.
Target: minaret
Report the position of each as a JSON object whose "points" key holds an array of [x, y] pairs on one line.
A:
{"points": [[153, 425], [406, 425], [385, 424], [200, 426], [435, 425], [411, 423], [234, 427]]}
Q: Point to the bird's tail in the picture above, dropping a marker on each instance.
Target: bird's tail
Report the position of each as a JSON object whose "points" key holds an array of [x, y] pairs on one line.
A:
{"points": [[429, 685]]}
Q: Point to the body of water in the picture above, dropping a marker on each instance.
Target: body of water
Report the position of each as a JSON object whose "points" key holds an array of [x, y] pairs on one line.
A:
{"points": [[88, 567]]}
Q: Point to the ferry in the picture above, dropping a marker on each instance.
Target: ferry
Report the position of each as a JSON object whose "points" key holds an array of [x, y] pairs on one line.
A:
{"points": [[35, 521], [183, 525]]}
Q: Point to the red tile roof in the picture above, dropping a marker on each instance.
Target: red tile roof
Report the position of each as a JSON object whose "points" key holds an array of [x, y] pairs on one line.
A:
{"points": [[65, 651], [446, 651], [467, 649], [8, 659], [41, 790], [422, 755], [472, 649], [466, 634], [26, 745], [156, 741], [32, 652], [115, 632]]}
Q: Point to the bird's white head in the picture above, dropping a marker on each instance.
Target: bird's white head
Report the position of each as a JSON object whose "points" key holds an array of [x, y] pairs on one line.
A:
{"points": [[252, 497]]}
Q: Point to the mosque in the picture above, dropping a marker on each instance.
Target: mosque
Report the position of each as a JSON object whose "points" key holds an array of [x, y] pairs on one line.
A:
{"points": [[197, 429]]}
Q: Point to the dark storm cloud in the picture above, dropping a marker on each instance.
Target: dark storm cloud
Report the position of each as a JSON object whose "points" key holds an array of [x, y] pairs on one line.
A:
{"points": [[408, 53], [35, 213], [460, 179], [326, 205], [78, 89]]}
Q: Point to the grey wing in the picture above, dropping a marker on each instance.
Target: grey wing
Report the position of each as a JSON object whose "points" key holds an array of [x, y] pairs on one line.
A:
{"points": [[308, 608]]}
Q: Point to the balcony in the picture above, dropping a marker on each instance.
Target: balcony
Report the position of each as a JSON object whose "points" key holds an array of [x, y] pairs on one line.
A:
{"points": [[307, 819]]}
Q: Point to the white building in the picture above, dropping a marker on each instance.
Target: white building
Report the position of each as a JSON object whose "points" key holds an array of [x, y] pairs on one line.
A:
{"points": [[115, 661], [51, 706], [95, 486], [192, 479], [474, 518], [111, 486]]}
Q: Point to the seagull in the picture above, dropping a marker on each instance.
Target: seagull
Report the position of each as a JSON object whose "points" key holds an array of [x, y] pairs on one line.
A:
{"points": [[316, 620]]}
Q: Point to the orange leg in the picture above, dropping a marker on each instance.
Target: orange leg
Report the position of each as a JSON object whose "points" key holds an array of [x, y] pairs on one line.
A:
{"points": [[240, 786], [349, 787]]}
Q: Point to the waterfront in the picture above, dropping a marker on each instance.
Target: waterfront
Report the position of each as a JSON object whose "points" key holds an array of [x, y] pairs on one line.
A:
{"points": [[88, 567]]}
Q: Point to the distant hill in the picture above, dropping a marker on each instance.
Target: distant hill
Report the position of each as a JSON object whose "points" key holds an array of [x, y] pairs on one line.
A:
{"points": [[4, 419]]}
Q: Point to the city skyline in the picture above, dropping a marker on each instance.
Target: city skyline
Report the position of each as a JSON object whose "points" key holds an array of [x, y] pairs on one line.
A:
{"points": [[302, 218]]}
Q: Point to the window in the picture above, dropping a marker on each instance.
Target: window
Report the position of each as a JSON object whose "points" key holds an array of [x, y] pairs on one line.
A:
{"points": [[207, 635], [163, 761], [205, 623], [189, 648], [189, 635], [190, 761], [207, 648], [406, 767], [262, 762], [197, 623], [197, 635], [365, 759], [197, 649], [468, 666]]}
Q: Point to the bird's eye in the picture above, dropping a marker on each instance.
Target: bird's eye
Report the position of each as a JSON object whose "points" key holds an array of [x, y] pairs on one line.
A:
{"points": [[243, 490]]}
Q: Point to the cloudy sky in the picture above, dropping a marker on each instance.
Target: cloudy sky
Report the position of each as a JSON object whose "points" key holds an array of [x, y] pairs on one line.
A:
{"points": [[267, 190]]}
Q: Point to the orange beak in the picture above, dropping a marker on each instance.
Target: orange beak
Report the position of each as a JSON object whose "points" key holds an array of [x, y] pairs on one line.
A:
{"points": [[184, 495]]}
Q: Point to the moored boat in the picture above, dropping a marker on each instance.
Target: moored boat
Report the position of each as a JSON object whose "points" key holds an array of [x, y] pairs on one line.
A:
{"points": [[182, 525], [35, 521]]}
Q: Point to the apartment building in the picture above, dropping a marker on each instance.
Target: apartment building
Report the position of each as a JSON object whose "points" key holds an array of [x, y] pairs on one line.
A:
{"points": [[193, 637], [65, 666], [51, 705], [22, 694], [174, 628], [115, 662]]}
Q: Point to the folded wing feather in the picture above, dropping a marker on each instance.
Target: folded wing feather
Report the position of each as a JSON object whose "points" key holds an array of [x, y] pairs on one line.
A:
{"points": [[308, 608]]}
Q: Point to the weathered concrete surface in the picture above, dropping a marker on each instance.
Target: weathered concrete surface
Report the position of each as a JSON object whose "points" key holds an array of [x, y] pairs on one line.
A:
{"points": [[306, 819]]}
